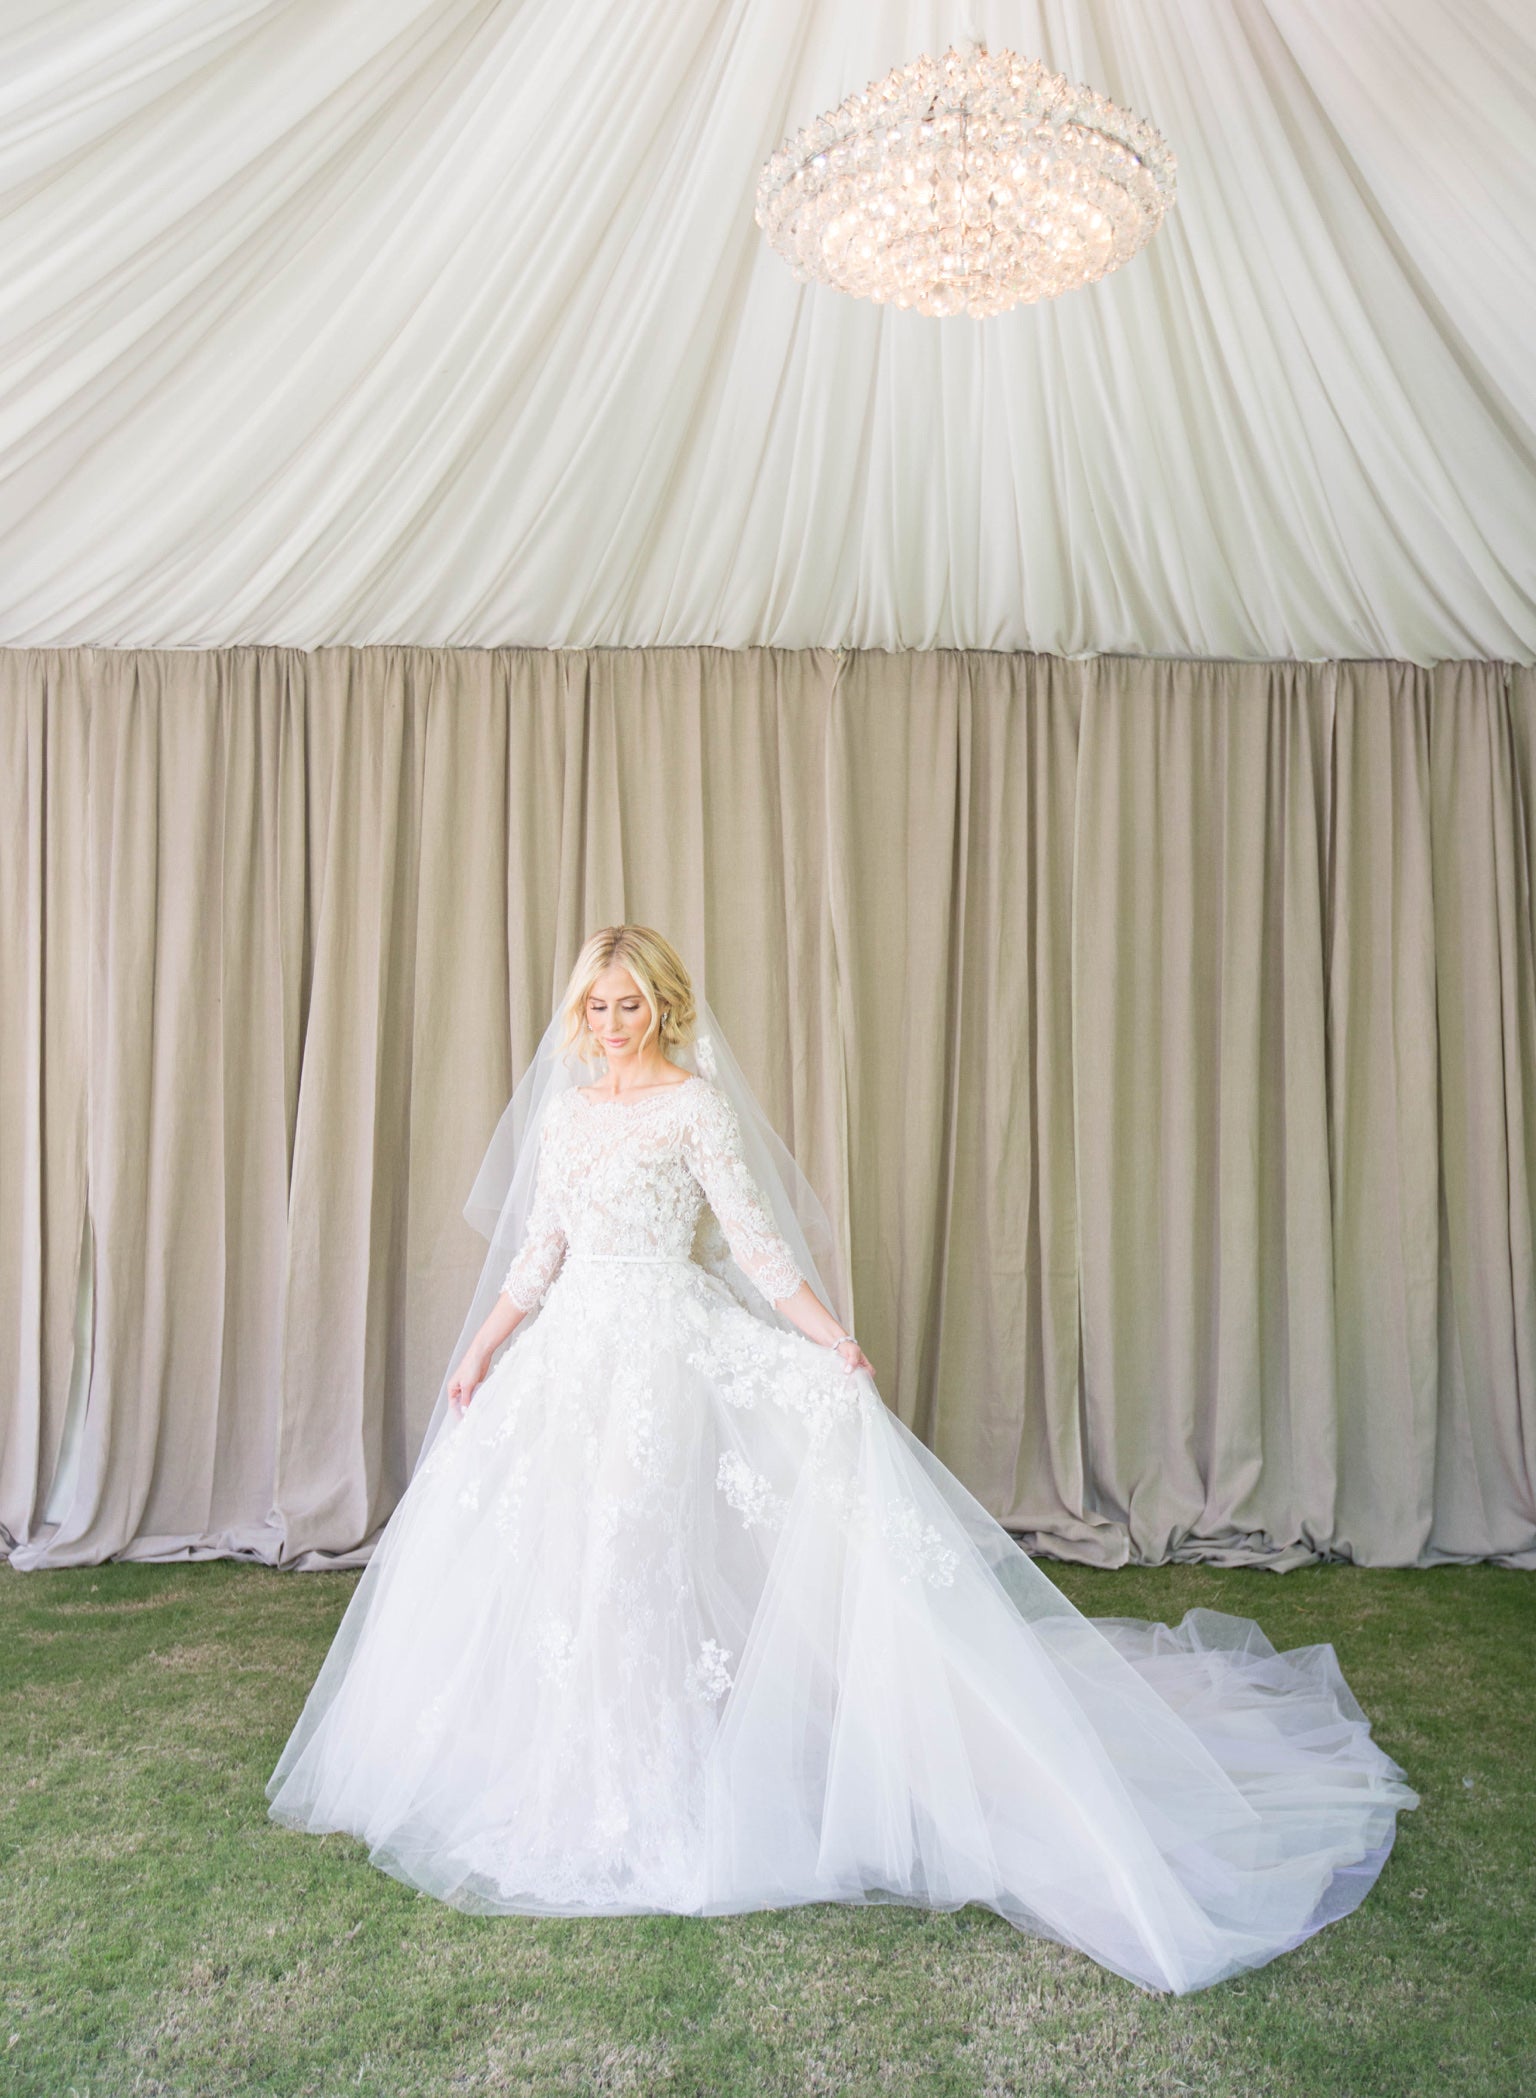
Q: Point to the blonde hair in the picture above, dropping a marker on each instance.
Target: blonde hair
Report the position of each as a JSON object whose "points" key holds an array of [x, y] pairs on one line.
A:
{"points": [[657, 968]]}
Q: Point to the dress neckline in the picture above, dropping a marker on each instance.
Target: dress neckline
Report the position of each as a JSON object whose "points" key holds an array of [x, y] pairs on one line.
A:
{"points": [[659, 1092]]}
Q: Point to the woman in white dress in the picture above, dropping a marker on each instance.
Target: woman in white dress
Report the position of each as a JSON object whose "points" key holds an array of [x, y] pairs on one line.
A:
{"points": [[675, 1615]]}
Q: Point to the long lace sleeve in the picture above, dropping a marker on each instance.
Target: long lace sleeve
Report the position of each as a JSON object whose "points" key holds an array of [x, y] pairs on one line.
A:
{"points": [[713, 1150], [537, 1260]]}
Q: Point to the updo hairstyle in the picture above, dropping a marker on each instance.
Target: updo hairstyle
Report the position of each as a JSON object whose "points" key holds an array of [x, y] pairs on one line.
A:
{"points": [[657, 968]]}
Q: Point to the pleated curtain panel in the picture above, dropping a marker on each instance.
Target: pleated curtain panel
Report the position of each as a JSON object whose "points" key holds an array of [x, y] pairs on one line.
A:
{"points": [[1161, 1034]]}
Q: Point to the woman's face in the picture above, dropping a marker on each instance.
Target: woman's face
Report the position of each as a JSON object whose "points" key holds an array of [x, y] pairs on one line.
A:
{"points": [[617, 1014]]}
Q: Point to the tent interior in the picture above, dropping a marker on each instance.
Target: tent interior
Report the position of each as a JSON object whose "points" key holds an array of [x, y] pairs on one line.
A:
{"points": [[1088, 755]]}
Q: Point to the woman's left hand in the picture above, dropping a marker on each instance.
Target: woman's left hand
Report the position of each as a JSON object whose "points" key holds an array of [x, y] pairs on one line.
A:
{"points": [[853, 1357]]}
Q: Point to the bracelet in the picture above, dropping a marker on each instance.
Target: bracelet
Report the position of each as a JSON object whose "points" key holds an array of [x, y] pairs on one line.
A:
{"points": [[842, 1341]]}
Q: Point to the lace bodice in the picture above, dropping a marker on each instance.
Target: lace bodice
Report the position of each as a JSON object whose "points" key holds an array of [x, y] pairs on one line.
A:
{"points": [[629, 1178]]}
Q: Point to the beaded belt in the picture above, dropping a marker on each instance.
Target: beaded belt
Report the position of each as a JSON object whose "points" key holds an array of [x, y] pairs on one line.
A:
{"points": [[666, 1260]]}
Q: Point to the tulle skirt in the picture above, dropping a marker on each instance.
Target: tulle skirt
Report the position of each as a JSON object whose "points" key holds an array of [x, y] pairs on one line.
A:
{"points": [[679, 1617]]}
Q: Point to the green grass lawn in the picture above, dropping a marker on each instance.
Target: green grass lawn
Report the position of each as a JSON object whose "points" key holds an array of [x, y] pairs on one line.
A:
{"points": [[159, 1935]]}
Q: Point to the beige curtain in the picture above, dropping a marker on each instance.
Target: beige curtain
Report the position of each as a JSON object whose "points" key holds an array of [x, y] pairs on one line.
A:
{"points": [[1161, 1034]]}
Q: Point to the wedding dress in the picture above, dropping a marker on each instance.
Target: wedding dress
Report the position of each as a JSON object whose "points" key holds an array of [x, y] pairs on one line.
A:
{"points": [[679, 1617]]}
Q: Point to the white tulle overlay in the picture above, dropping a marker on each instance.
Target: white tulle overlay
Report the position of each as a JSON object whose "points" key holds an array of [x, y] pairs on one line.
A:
{"points": [[679, 1617]]}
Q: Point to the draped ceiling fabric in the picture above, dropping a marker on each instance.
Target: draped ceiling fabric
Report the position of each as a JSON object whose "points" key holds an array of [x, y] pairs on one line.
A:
{"points": [[446, 321], [1162, 1035]]}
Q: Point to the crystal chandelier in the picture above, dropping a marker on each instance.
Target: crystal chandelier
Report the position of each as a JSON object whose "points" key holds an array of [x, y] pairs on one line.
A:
{"points": [[966, 184]]}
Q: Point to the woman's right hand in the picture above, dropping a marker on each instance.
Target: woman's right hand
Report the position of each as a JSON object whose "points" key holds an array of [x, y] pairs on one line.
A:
{"points": [[469, 1374]]}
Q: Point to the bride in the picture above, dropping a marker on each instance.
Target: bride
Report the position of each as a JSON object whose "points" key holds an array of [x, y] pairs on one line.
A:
{"points": [[675, 1615]]}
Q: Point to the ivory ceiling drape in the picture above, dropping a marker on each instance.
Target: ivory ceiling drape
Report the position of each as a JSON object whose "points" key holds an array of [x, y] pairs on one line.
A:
{"points": [[447, 321], [1163, 1036]]}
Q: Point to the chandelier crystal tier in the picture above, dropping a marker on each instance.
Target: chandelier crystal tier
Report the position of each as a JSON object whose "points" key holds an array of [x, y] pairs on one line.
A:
{"points": [[966, 184]]}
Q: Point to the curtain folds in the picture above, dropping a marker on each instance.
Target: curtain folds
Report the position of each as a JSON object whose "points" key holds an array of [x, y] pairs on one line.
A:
{"points": [[1161, 1034]]}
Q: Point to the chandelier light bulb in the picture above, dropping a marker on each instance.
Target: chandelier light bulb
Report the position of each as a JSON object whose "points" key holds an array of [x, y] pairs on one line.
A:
{"points": [[966, 184]]}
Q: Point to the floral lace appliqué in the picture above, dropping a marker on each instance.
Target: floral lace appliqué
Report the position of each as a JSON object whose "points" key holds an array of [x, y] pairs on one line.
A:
{"points": [[748, 1492], [708, 1677], [917, 1548], [554, 1649], [629, 1179]]}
